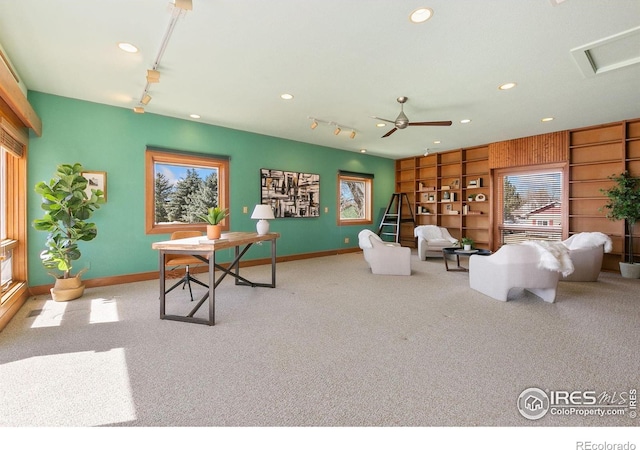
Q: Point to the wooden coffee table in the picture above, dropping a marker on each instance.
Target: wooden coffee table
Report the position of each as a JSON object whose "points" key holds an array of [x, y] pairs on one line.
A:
{"points": [[458, 252]]}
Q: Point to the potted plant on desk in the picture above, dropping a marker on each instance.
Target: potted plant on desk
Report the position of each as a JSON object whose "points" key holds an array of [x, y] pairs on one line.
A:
{"points": [[67, 208], [213, 218]]}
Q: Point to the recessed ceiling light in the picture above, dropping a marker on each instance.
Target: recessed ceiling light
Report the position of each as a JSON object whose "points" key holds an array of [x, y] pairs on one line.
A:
{"points": [[129, 48], [465, 121], [421, 15], [380, 125], [363, 150], [436, 142], [286, 96], [194, 116], [507, 86], [547, 119]]}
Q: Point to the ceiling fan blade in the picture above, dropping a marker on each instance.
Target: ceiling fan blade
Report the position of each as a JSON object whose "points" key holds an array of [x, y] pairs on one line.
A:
{"points": [[390, 132], [443, 123], [384, 120]]}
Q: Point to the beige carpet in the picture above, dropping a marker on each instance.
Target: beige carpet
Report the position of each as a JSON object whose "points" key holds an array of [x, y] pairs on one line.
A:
{"points": [[332, 345]]}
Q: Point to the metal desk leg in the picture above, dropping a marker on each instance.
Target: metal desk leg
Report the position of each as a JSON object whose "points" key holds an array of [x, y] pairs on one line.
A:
{"points": [[212, 288], [273, 263], [162, 283]]}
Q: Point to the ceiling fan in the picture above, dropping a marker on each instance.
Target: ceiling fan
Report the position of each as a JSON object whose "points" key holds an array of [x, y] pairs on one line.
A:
{"points": [[402, 121]]}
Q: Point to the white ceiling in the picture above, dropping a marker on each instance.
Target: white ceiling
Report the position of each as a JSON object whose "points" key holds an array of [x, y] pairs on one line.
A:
{"points": [[343, 60]]}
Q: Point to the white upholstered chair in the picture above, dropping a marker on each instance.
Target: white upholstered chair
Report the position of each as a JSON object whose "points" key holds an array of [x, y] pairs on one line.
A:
{"points": [[512, 266], [432, 239], [384, 258], [586, 251]]}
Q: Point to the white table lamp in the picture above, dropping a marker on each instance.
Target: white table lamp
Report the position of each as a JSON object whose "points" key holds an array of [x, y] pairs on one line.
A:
{"points": [[262, 212]]}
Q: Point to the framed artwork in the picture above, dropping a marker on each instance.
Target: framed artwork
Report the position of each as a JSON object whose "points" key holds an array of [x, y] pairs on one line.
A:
{"points": [[290, 194], [97, 181]]}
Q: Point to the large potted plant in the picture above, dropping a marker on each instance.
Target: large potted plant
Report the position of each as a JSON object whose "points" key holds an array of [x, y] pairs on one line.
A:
{"points": [[624, 204], [67, 208], [213, 218]]}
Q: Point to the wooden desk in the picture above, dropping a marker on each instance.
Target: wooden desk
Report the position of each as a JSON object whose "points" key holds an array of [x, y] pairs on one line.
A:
{"points": [[205, 250]]}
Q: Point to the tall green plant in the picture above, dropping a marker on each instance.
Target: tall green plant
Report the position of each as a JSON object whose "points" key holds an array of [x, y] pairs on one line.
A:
{"points": [[624, 204], [67, 209]]}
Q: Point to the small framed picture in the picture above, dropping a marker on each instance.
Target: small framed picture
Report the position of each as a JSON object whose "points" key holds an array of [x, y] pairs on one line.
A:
{"points": [[455, 184], [97, 181]]}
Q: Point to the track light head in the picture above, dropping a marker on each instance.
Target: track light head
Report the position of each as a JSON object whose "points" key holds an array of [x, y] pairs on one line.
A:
{"points": [[146, 98], [337, 131], [352, 135], [314, 124], [138, 110], [153, 76]]}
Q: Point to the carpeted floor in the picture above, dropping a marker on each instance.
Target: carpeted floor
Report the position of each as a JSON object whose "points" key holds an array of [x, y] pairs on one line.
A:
{"points": [[331, 345]]}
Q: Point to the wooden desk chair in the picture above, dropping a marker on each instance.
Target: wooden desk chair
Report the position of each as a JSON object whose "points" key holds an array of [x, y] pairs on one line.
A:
{"points": [[173, 261]]}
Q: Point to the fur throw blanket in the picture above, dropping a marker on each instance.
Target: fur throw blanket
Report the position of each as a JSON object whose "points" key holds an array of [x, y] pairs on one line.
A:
{"points": [[554, 256], [589, 239]]}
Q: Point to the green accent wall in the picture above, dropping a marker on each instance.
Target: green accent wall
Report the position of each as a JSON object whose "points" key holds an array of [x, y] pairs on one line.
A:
{"points": [[114, 140]]}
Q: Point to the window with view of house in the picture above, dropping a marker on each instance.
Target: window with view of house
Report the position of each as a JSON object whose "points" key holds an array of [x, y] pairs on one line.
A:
{"points": [[532, 206]]}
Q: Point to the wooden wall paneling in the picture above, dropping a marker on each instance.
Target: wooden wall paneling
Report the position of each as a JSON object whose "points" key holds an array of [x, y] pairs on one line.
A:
{"points": [[529, 151]]}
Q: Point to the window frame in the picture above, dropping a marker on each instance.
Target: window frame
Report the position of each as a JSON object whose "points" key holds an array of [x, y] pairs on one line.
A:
{"points": [[153, 156], [368, 192], [498, 176]]}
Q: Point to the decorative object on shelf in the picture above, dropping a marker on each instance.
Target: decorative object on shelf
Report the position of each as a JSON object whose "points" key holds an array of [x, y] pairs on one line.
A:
{"points": [[624, 204], [480, 198], [432, 198], [67, 208], [470, 197], [445, 187], [465, 209], [445, 196], [263, 213], [455, 184], [420, 186], [472, 184]]}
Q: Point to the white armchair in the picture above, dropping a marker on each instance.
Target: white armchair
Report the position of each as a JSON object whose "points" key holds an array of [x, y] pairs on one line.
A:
{"points": [[586, 251], [432, 239], [384, 258], [512, 266]]}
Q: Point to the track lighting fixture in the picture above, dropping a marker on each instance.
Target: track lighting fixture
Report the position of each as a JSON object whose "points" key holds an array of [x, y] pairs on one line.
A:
{"points": [[426, 152], [337, 128], [179, 9], [138, 110]]}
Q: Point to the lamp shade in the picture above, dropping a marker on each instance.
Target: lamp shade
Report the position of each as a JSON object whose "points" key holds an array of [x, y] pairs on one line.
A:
{"points": [[262, 212]]}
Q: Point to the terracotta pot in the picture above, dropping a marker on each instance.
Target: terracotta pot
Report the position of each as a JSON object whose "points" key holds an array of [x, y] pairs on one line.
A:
{"points": [[214, 231]]}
